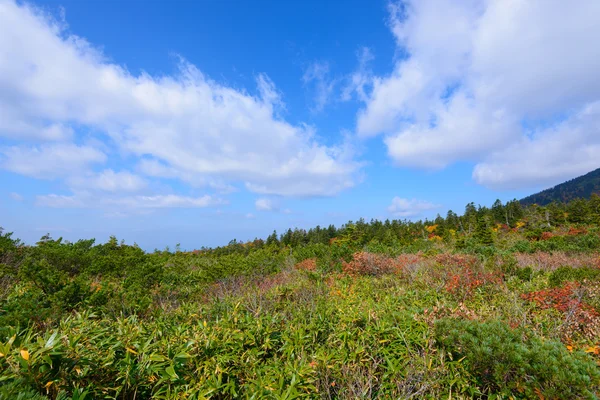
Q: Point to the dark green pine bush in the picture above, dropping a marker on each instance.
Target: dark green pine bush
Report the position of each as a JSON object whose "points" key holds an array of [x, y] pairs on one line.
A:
{"points": [[510, 362]]}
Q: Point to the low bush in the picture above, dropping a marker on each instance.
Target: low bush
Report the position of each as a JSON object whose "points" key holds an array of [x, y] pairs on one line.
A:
{"points": [[513, 364]]}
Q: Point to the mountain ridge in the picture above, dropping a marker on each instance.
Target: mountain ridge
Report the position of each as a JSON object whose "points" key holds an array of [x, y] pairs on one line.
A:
{"points": [[581, 187]]}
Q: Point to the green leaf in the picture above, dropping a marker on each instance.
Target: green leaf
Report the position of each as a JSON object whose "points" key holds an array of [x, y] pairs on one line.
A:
{"points": [[171, 372]]}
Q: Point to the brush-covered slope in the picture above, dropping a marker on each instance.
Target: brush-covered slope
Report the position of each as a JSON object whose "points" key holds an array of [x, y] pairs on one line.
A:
{"points": [[582, 187]]}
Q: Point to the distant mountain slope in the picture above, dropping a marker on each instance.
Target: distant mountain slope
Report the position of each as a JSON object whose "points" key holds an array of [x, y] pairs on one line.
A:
{"points": [[581, 187]]}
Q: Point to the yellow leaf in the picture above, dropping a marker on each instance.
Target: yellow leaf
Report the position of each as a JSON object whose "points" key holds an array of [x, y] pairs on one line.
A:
{"points": [[1, 354], [78, 370], [204, 323], [594, 349], [570, 348], [47, 385], [25, 354], [130, 350]]}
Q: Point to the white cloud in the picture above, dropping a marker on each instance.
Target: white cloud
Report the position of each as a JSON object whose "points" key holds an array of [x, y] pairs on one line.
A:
{"points": [[548, 157], [119, 203], [51, 80], [361, 79], [60, 201], [317, 76], [264, 204], [15, 196], [406, 208], [110, 181], [166, 201], [470, 75], [49, 161]]}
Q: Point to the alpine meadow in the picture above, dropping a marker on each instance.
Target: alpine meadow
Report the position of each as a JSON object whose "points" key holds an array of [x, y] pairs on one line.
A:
{"points": [[367, 199]]}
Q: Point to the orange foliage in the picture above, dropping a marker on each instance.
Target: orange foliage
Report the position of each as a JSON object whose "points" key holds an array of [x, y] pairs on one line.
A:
{"points": [[431, 228], [310, 264], [546, 235], [574, 231]]}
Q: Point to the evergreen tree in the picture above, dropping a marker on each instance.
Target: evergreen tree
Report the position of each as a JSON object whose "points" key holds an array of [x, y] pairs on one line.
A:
{"points": [[578, 211], [594, 208], [484, 233], [272, 239], [498, 212]]}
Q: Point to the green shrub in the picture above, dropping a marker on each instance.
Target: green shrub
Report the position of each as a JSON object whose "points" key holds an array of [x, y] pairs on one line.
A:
{"points": [[524, 274], [509, 363], [565, 274]]}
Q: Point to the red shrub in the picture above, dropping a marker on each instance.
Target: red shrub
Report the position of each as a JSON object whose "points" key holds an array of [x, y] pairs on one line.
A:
{"points": [[567, 299], [547, 235], [575, 231], [456, 260], [310, 264], [465, 281], [364, 263]]}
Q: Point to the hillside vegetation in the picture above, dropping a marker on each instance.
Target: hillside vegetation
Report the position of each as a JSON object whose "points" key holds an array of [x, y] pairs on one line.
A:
{"points": [[498, 303], [578, 188]]}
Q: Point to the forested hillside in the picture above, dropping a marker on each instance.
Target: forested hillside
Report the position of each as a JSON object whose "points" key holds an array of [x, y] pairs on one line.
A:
{"points": [[499, 302], [582, 187]]}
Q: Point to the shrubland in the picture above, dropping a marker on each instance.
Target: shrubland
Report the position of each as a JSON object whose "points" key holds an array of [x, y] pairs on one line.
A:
{"points": [[498, 303]]}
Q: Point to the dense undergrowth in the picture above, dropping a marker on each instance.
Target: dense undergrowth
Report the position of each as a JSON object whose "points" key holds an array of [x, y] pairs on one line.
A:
{"points": [[497, 303]]}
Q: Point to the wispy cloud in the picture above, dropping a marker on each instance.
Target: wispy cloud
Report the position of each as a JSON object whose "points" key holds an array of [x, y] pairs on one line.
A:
{"points": [[360, 80], [265, 204], [16, 196], [86, 200], [406, 208], [317, 78]]}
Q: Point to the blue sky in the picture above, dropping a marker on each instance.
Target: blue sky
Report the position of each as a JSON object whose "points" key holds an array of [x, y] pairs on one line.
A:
{"points": [[196, 122]]}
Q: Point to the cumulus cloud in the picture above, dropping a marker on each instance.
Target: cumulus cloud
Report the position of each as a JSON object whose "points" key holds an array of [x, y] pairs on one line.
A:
{"points": [[561, 152], [498, 83], [52, 81], [406, 208]]}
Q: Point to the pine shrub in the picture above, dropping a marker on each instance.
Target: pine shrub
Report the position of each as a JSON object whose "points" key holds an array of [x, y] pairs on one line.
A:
{"points": [[512, 363]]}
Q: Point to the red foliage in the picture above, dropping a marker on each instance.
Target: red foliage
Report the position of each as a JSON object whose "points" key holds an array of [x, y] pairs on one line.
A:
{"points": [[310, 264], [465, 281], [562, 299], [546, 235], [504, 227], [574, 231], [364, 263], [456, 260], [566, 300]]}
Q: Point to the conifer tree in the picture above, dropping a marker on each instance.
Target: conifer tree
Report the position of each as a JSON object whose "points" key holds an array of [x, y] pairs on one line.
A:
{"points": [[484, 232], [594, 208]]}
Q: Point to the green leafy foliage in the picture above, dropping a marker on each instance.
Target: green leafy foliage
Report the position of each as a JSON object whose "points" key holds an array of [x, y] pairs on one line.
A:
{"points": [[378, 309]]}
